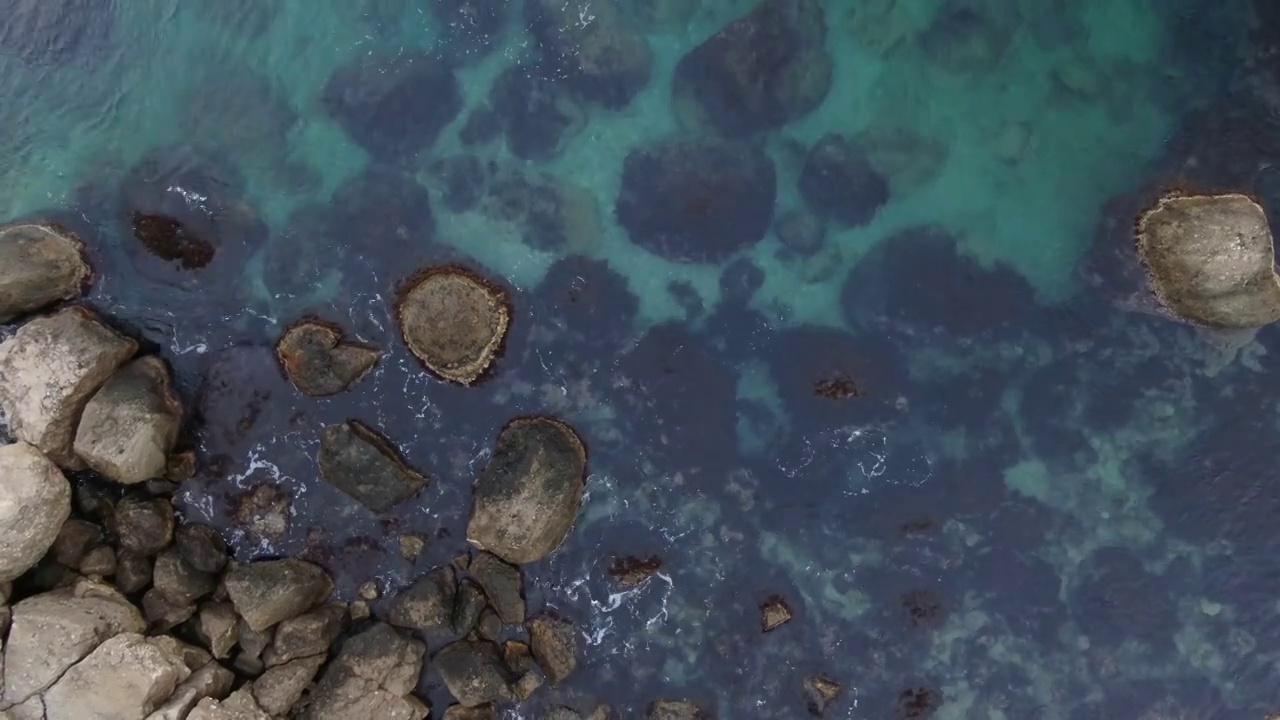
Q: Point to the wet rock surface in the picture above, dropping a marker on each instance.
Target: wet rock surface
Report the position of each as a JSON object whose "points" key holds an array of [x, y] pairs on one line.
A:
{"points": [[427, 604], [41, 266], [373, 676], [318, 361], [365, 466], [129, 427], [555, 646], [502, 584], [602, 60], [474, 672], [839, 182], [268, 591], [36, 502], [454, 321]]}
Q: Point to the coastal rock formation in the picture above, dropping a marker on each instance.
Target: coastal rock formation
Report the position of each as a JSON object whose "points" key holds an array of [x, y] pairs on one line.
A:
{"points": [[39, 265], [528, 495], [127, 676], [35, 503], [317, 360], [454, 321], [555, 646], [502, 584], [592, 47], [696, 200], [129, 428], [364, 465], [536, 114], [268, 591], [1211, 259], [474, 672], [677, 710], [551, 213], [839, 182], [48, 371], [374, 676], [427, 605]]}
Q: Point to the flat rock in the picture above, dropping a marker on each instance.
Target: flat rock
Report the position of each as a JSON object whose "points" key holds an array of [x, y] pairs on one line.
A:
{"points": [[39, 266], [33, 507], [129, 427], [473, 671], [774, 612], [49, 370], [502, 584], [373, 676], [280, 687], [305, 635], [1211, 259], [427, 604], [528, 495], [317, 360], [677, 710], [555, 646], [128, 676], [364, 465], [268, 591], [454, 321]]}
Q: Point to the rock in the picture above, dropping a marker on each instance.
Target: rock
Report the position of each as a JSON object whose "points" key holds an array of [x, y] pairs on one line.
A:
{"points": [[180, 583], [180, 467], [216, 626], [502, 585], [369, 591], [774, 612], [1211, 259], [127, 676], [201, 547], [253, 642], [372, 677], [489, 625], [239, 706], [51, 632], [210, 681], [468, 604], [144, 526], [359, 610], [394, 106], [462, 712], [454, 321], [759, 72], [426, 605], [35, 504], [562, 713], [317, 360], [39, 265], [100, 561], [48, 371], [364, 465], [280, 687], [696, 200], [268, 591], [591, 47], [130, 426], [527, 497], [306, 635], [839, 182], [74, 541], [411, 546], [550, 213], [555, 646], [164, 614], [474, 673], [801, 232], [677, 710], [518, 656], [133, 571], [631, 571], [264, 511], [819, 693], [527, 684], [536, 115]]}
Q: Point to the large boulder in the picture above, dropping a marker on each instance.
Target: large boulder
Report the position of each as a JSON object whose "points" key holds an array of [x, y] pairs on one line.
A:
{"points": [[39, 265], [127, 676], [555, 646], [759, 72], [268, 591], [241, 705], [454, 321], [474, 672], [697, 200], [590, 45], [364, 465], [130, 426], [1211, 259], [427, 604], [528, 495], [839, 182], [49, 370], [35, 503], [318, 361], [372, 677], [280, 687], [502, 584], [535, 112]]}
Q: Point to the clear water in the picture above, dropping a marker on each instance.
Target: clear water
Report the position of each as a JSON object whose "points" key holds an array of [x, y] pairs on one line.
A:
{"points": [[1046, 503]]}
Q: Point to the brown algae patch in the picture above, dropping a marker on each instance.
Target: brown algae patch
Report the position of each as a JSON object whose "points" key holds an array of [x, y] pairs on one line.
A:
{"points": [[454, 321]]}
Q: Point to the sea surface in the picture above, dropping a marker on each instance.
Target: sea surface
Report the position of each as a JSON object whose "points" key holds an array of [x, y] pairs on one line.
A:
{"points": [[991, 480]]}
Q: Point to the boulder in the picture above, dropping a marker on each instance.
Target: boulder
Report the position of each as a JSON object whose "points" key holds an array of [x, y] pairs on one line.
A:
{"points": [[839, 182], [305, 635], [555, 646], [130, 426], [75, 540], [163, 613], [133, 571], [317, 360], [454, 321], [100, 561], [217, 627], [210, 681], [280, 687], [427, 604], [127, 676], [819, 692], [502, 584], [534, 111], [48, 371], [144, 526], [528, 495], [759, 72], [468, 604], [268, 591], [677, 710], [239, 706], [696, 200], [474, 672], [591, 47], [462, 712], [180, 583], [364, 465], [39, 265], [1211, 259], [372, 676], [201, 547], [33, 507]]}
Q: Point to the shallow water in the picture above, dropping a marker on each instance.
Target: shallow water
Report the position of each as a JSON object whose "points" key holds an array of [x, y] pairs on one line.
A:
{"points": [[1042, 502]]}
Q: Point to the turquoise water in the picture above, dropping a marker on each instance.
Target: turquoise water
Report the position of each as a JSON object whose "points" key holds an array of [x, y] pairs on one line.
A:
{"points": [[1044, 503]]}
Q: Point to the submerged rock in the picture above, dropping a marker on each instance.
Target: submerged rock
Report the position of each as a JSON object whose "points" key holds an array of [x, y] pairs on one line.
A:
{"points": [[535, 113], [677, 710], [364, 465], [372, 677], [35, 503], [800, 232], [268, 591], [590, 46], [759, 72], [552, 213], [528, 495], [967, 38], [129, 428], [48, 371], [317, 360], [472, 27], [839, 182], [391, 212], [819, 692], [454, 321], [39, 265], [1211, 259], [695, 200], [474, 672]]}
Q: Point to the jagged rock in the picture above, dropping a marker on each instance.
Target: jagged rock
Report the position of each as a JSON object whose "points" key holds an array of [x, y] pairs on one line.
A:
{"points": [[489, 625], [130, 426], [527, 497], [144, 526], [372, 677], [133, 571], [216, 626], [518, 656], [411, 546], [462, 712], [364, 465], [602, 59], [33, 507], [820, 692], [75, 540], [317, 360], [48, 371], [468, 604], [527, 684], [306, 635], [239, 706], [127, 676], [473, 671], [180, 583], [555, 646], [209, 681], [253, 643], [164, 614], [280, 687], [100, 561], [839, 182], [454, 321], [774, 612], [427, 604], [201, 547], [502, 585], [677, 710], [266, 592], [39, 266], [180, 467], [1211, 259]]}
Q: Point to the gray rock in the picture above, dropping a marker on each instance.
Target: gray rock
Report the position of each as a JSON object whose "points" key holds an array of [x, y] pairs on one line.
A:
{"points": [[502, 585], [555, 646], [178, 581], [677, 710], [48, 371], [528, 495], [129, 427], [819, 692], [133, 571], [372, 676], [266, 592], [479, 712], [162, 613], [362, 464], [35, 504], [216, 626], [128, 676], [100, 561], [306, 635], [518, 656], [239, 706], [318, 362], [144, 526], [201, 547], [454, 321], [426, 605], [210, 681], [467, 606], [74, 541], [39, 266], [280, 687], [489, 625], [474, 672], [253, 642]]}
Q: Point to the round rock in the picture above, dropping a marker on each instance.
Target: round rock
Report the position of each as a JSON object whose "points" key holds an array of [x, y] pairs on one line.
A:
{"points": [[454, 321], [129, 428], [317, 360], [33, 507], [39, 266], [528, 496]]}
